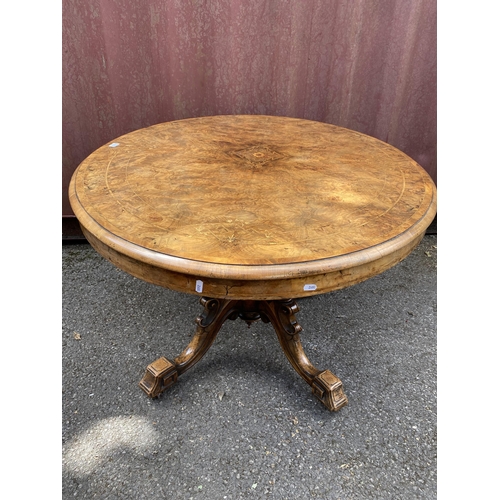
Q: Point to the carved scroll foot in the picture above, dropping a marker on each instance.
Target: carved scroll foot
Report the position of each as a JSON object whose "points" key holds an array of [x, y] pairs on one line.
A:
{"points": [[328, 389], [163, 373], [325, 385], [160, 375]]}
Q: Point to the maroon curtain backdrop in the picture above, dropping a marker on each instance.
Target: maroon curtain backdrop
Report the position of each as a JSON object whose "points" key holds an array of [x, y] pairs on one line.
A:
{"points": [[366, 65]]}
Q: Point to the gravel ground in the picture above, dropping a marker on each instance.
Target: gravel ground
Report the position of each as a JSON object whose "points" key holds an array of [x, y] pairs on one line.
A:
{"points": [[242, 423]]}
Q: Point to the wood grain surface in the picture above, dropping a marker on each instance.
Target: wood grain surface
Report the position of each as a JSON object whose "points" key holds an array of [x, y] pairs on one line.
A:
{"points": [[252, 206]]}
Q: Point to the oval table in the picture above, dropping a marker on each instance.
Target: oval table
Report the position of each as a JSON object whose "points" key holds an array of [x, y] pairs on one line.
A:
{"points": [[250, 212]]}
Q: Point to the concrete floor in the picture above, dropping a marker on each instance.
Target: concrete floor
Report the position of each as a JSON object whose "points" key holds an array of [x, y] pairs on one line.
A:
{"points": [[242, 423]]}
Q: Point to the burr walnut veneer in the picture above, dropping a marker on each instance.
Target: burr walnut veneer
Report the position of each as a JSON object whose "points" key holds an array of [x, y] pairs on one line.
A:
{"points": [[249, 213]]}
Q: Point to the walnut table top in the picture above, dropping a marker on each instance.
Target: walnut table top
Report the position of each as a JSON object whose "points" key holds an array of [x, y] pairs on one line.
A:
{"points": [[231, 199]]}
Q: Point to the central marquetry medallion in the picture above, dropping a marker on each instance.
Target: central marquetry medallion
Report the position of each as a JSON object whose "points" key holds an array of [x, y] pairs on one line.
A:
{"points": [[259, 155]]}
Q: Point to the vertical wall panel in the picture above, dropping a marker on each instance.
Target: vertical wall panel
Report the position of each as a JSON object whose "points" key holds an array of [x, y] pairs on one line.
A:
{"points": [[369, 66]]}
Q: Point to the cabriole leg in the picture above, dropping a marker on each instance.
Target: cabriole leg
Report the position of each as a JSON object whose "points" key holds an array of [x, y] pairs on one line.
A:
{"points": [[325, 385], [163, 373]]}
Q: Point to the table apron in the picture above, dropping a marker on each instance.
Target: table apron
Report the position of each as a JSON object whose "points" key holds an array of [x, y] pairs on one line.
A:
{"points": [[268, 289]]}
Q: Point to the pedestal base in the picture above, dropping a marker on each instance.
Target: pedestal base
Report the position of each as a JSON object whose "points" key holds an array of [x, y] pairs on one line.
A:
{"points": [[163, 373]]}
